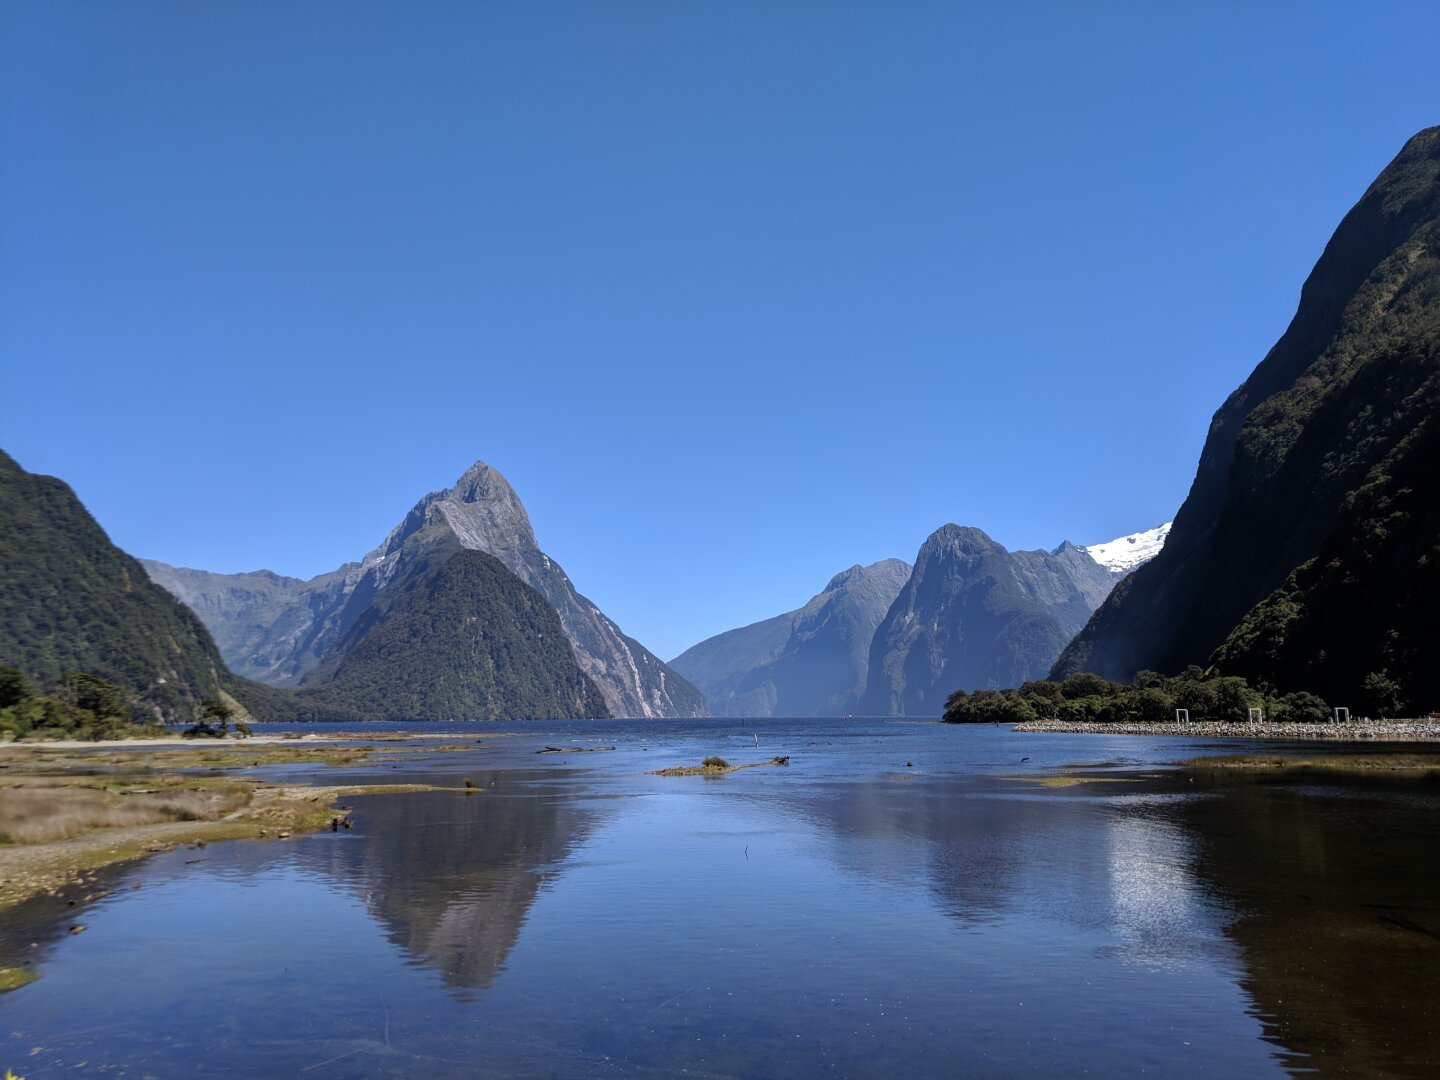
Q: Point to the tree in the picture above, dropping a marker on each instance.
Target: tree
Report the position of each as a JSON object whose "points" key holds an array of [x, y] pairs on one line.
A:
{"points": [[96, 695], [213, 719], [13, 687]]}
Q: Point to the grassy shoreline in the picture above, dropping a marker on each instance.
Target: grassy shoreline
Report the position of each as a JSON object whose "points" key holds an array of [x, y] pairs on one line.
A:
{"points": [[69, 809]]}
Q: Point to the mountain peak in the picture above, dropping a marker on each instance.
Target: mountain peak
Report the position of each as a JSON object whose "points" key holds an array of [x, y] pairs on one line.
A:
{"points": [[485, 513], [964, 539], [479, 483]]}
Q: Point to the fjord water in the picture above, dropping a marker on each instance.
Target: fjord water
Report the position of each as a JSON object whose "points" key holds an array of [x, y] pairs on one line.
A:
{"points": [[903, 899]]}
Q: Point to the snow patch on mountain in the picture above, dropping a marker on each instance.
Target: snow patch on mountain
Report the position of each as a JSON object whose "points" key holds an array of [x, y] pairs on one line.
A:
{"points": [[1125, 554]]}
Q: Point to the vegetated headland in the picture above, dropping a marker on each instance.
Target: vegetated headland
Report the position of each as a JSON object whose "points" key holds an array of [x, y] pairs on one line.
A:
{"points": [[1192, 704]]}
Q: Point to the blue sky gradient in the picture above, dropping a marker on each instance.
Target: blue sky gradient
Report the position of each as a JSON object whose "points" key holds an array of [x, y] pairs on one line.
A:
{"points": [[736, 294]]}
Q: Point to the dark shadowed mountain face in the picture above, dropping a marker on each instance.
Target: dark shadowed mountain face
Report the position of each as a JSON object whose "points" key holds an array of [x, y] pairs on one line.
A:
{"points": [[1299, 553], [71, 601], [281, 640], [973, 616], [808, 662]]}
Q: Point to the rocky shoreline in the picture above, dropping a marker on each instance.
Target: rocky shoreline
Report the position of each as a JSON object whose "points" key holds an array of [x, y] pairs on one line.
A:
{"points": [[1353, 731]]}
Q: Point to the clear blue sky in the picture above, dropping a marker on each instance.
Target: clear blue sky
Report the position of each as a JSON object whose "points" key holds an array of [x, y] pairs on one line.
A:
{"points": [[737, 294]]}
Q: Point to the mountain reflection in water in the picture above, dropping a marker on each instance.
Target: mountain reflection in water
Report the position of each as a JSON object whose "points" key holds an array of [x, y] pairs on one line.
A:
{"points": [[576, 916], [452, 875], [1336, 883]]}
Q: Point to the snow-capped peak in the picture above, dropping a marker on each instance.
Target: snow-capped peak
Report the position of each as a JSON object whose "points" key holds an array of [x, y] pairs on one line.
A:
{"points": [[1125, 554]]}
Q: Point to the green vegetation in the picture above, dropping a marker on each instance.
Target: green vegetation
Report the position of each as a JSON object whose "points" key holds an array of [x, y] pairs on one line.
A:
{"points": [[1378, 570], [82, 707], [70, 601], [1086, 698], [457, 636], [12, 978], [1306, 553]]}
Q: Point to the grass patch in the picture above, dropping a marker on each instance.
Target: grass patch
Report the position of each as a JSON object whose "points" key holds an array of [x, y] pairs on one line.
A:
{"points": [[12, 978], [1347, 763], [63, 812], [717, 766], [47, 812], [1072, 781]]}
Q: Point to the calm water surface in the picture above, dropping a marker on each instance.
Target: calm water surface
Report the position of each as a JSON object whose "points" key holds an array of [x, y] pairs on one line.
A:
{"points": [[850, 915]]}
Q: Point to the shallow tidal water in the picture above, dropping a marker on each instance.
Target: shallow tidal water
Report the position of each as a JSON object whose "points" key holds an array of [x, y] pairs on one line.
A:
{"points": [[848, 915]]}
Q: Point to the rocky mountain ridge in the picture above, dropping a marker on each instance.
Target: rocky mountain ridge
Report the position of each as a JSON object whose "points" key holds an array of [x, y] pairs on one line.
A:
{"points": [[974, 615], [280, 633]]}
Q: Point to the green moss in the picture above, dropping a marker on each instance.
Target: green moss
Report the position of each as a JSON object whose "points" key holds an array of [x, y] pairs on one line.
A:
{"points": [[13, 978]]}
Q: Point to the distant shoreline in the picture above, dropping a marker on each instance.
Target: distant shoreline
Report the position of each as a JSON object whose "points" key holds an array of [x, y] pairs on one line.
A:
{"points": [[1354, 731]]}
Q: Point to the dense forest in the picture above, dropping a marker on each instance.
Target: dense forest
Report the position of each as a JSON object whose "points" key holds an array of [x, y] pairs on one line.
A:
{"points": [[458, 637], [71, 601]]}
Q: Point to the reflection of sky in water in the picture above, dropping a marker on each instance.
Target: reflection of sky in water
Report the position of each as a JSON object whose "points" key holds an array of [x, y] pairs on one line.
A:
{"points": [[583, 918], [1157, 908]]}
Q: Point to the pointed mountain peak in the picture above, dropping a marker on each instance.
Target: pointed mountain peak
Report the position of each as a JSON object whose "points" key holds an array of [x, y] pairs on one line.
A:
{"points": [[486, 515], [481, 483]]}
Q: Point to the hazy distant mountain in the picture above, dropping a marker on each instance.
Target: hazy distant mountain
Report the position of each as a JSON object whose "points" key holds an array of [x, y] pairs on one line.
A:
{"points": [[71, 601], [1306, 552], [278, 632], [811, 661], [974, 615], [253, 617]]}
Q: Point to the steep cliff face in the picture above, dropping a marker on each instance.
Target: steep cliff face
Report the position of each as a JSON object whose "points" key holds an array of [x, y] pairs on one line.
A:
{"points": [[973, 616], [282, 642], [71, 601], [1330, 412], [812, 661]]}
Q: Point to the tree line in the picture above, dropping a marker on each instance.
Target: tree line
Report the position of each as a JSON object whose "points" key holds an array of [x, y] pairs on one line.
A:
{"points": [[1152, 699]]}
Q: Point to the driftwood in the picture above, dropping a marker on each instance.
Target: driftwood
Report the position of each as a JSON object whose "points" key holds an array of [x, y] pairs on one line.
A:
{"points": [[573, 749]]}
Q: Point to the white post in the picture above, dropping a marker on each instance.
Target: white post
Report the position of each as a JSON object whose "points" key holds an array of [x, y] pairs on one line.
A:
{"points": [[1182, 716]]}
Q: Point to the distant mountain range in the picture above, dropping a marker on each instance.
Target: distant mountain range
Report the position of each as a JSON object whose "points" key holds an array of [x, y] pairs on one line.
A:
{"points": [[812, 661], [1306, 557], [975, 616], [892, 639], [287, 632], [1307, 553]]}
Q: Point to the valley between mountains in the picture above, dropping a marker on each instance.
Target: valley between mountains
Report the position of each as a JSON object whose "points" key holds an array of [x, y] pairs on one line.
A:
{"points": [[1305, 559]]}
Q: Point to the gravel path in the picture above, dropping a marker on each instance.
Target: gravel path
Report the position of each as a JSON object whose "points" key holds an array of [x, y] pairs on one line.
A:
{"points": [[1354, 731]]}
